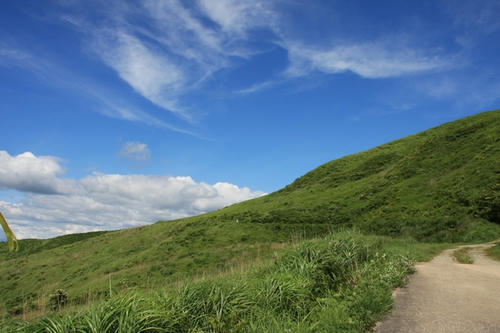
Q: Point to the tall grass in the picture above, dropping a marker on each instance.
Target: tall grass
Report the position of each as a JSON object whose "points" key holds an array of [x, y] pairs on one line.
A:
{"points": [[342, 282], [463, 256], [494, 252]]}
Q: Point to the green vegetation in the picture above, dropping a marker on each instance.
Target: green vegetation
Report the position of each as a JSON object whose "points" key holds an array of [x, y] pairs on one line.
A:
{"points": [[341, 282], [462, 255], [494, 252], [58, 300], [441, 185]]}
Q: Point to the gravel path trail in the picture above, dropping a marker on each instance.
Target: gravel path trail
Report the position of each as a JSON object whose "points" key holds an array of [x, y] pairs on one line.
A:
{"points": [[445, 296]]}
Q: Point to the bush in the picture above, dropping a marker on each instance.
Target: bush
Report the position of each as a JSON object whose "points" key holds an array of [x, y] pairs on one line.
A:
{"points": [[58, 300]]}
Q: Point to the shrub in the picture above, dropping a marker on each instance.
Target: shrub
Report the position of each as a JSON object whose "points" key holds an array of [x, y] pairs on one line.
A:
{"points": [[58, 300]]}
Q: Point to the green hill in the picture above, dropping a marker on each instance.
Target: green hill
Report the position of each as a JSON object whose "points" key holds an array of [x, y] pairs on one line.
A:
{"points": [[442, 184], [436, 185]]}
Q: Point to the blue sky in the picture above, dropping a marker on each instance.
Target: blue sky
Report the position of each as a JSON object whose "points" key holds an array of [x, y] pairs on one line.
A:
{"points": [[117, 114]]}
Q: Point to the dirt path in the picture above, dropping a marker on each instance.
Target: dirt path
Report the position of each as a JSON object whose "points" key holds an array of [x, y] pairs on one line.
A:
{"points": [[445, 296]]}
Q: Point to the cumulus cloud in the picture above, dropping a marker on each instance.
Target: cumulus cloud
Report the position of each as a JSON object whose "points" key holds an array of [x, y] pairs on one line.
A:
{"points": [[136, 151], [102, 201], [29, 173]]}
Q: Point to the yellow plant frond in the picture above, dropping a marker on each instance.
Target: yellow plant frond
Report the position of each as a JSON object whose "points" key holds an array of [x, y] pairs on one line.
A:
{"points": [[11, 238]]}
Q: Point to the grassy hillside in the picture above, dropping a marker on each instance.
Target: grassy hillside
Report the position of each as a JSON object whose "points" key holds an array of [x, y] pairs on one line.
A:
{"points": [[439, 185], [435, 185]]}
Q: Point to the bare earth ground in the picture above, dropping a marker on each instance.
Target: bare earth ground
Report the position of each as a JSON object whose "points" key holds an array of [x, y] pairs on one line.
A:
{"points": [[446, 296]]}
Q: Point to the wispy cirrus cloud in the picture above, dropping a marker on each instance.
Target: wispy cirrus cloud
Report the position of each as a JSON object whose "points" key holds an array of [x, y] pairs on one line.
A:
{"points": [[259, 87], [179, 48], [189, 49], [149, 73], [162, 60], [373, 60], [105, 100], [238, 17], [386, 57], [167, 50]]}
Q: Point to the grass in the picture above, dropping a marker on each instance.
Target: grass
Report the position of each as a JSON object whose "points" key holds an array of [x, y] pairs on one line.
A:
{"points": [[438, 186], [494, 252], [341, 282], [462, 255]]}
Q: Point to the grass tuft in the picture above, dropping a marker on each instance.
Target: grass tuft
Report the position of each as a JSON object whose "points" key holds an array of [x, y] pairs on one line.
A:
{"points": [[463, 256], [494, 252]]}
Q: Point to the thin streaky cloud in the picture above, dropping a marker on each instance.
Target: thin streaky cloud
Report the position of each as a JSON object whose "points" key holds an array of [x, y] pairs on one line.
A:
{"points": [[187, 51], [110, 105], [237, 17], [152, 75], [371, 60], [171, 15], [257, 87]]}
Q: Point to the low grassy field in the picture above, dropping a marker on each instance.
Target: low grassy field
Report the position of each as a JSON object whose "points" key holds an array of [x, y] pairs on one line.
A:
{"points": [[341, 282]]}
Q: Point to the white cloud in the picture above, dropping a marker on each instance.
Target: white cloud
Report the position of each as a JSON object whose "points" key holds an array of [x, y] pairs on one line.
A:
{"points": [[161, 60], [369, 60], [184, 46], [165, 50], [27, 172], [136, 151], [109, 103], [177, 50], [238, 16], [103, 201], [259, 87], [390, 56], [188, 35], [150, 74]]}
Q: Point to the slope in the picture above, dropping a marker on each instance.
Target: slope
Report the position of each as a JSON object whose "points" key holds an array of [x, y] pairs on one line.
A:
{"points": [[439, 185]]}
